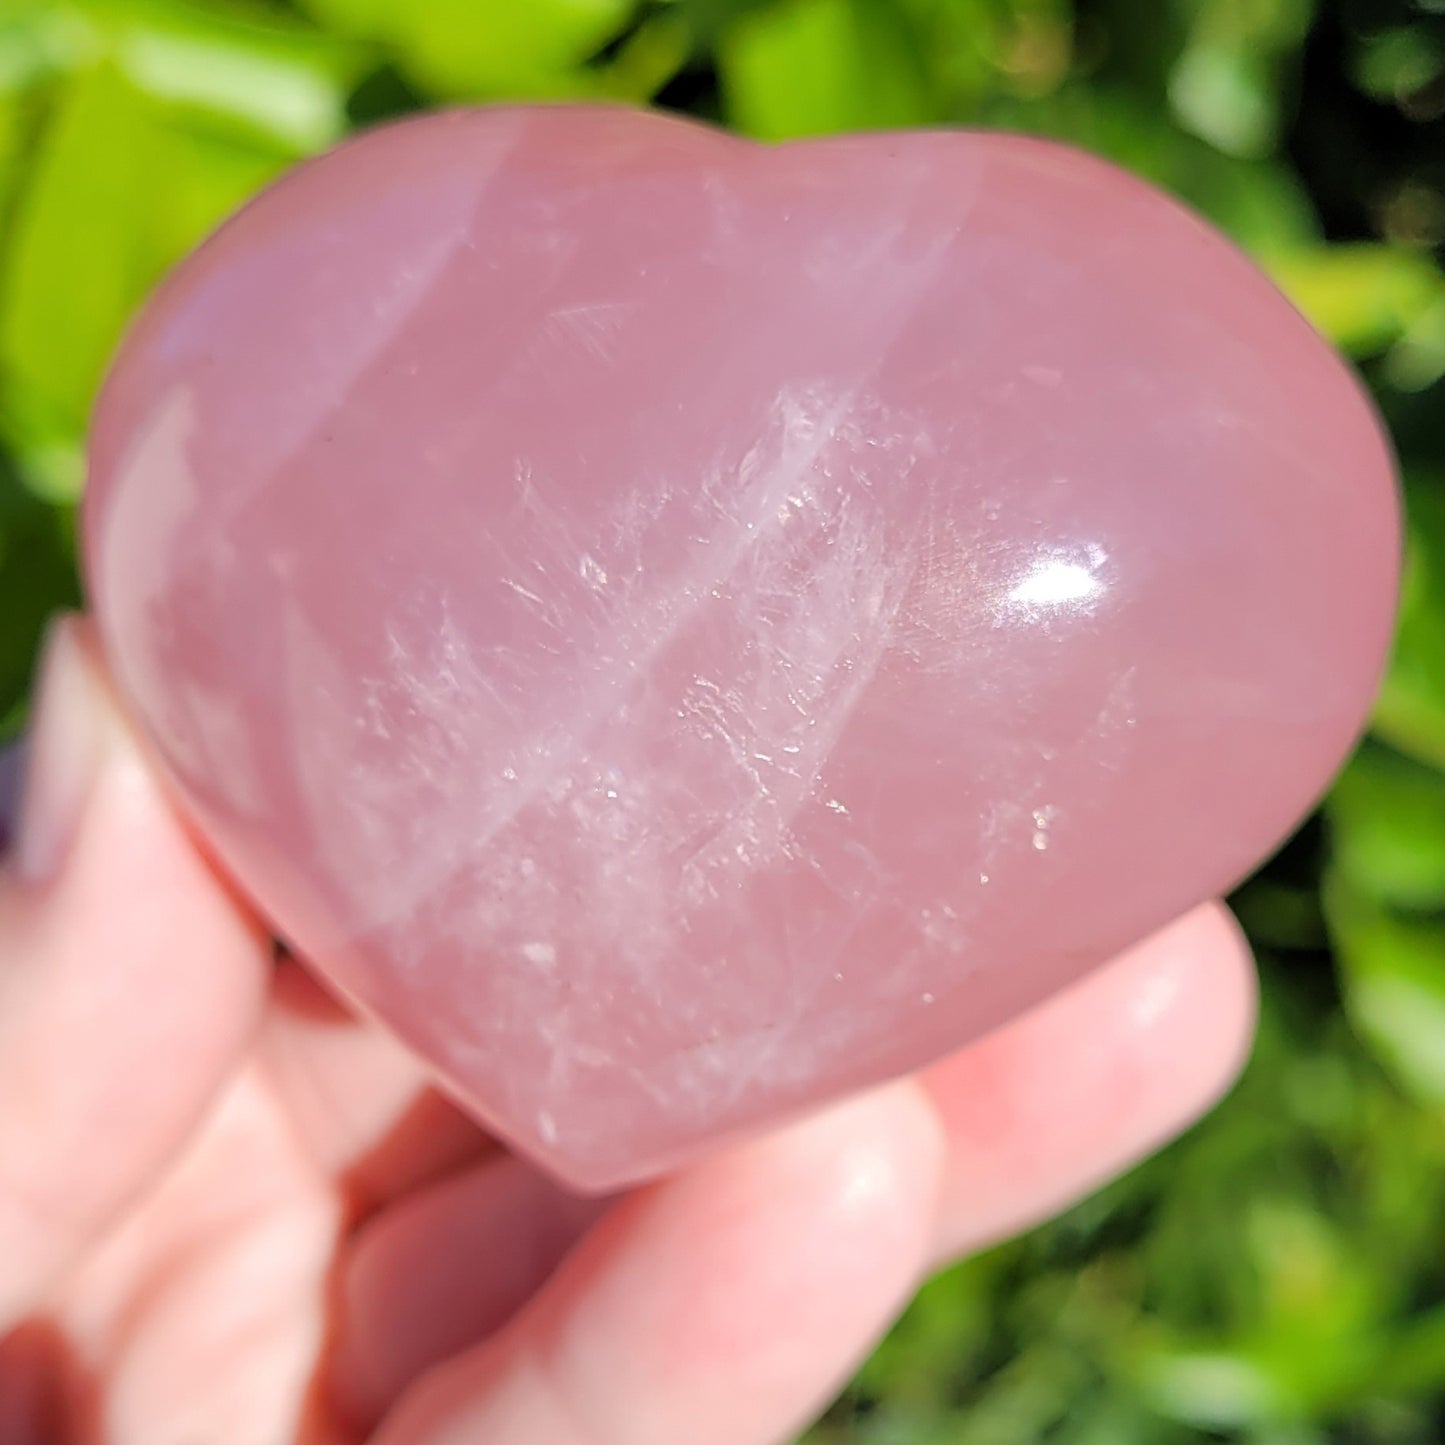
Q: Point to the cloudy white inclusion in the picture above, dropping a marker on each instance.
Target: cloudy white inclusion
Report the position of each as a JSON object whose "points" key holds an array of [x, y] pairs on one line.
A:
{"points": [[1058, 581]]}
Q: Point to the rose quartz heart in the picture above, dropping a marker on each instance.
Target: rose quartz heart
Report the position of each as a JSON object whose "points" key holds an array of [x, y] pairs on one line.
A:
{"points": [[680, 629]]}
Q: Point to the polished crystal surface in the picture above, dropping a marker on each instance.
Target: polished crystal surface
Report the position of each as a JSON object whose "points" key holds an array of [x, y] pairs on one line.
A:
{"points": [[680, 629]]}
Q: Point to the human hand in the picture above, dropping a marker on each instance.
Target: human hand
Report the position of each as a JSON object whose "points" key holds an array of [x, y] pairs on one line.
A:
{"points": [[231, 1213]]}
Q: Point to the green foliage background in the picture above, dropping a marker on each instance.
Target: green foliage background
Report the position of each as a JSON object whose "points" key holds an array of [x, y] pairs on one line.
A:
{"points": [[1279, 1275]]}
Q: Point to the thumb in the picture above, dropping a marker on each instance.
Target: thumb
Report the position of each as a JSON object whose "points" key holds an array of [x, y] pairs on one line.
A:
{"points": [[130, 981]]}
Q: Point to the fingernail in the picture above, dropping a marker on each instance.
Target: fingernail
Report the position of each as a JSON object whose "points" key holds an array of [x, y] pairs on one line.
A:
{"points": [[64, 748]]}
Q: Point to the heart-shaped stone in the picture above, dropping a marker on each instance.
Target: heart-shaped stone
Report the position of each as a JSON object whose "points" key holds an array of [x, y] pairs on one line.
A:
{"points": [[679, 629]]}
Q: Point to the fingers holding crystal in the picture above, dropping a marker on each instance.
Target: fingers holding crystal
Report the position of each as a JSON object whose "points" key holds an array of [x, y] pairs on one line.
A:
{"points": [[1051, 1106], [129, 980], [723, 1306], [1031, 1118], [442, 1270], [361, 1104]]}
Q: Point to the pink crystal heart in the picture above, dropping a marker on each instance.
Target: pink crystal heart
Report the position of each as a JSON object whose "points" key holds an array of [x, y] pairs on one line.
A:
{"points": [[680, 629]]}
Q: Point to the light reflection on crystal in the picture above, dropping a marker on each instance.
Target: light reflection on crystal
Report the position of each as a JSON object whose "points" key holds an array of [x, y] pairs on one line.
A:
{"points": [[1061, 581]]}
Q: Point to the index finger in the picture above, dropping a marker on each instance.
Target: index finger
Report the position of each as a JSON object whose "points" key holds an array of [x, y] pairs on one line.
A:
{"points": [[130, 981]]}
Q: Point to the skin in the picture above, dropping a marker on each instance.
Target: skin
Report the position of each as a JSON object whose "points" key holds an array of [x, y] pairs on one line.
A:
{"points": [[230, 1211]]}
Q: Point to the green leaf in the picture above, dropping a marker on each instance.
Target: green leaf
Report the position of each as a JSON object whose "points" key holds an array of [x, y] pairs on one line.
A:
{"points": [[1387, 816], [1394, 980], [1278, 915], [1261, 204], [1410, 713], [75, 259], [284, 85], [1400, 61], [1140, 57], [975, 49], [810, 67], [1226, 86], [1415, 1360], [487, 48], [1363, 297], [39, 40], [1221, 96], [37, 574], [652, 55], [117, 193], [1417, 360], [1210, 1389], [274, 79], [12, 147]]}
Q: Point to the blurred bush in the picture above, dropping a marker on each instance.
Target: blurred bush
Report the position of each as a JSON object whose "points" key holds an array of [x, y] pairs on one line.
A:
{"points": [[1278, 1276]]}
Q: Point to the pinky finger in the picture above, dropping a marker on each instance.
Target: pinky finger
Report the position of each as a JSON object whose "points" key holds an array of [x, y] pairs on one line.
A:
{"points": [[1048, 1108]]}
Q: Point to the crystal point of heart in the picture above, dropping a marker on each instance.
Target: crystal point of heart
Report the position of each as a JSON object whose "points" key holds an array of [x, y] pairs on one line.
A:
{"points": [[680, 629]]}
